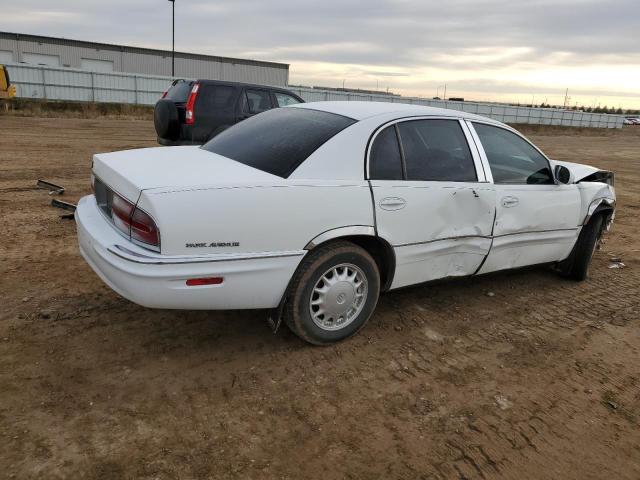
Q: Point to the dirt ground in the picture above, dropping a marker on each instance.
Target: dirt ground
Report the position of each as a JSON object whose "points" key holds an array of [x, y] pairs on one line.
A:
{"points": [[510, 376]]}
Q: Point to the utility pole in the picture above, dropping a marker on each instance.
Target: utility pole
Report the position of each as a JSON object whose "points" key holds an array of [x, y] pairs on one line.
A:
{"points": [[173, 38]]}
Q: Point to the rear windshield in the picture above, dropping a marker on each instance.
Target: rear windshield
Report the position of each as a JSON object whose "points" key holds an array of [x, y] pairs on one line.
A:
{"points": [[179, 92], [278, 141]]}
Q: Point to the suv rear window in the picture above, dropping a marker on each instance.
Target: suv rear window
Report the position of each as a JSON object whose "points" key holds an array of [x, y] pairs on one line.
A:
{"points": [[278, 141], [179, 92]]}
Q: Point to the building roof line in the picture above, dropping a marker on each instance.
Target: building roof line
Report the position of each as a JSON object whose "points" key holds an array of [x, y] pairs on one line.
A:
{"points": [[133, 49]]}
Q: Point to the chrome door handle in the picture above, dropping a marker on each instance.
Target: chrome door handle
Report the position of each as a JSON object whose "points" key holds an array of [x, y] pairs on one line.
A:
{"points": [[509, 202], [392, 203]]}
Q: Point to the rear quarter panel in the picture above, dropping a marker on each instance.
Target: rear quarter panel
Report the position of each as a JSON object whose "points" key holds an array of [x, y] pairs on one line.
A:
{"points": [[258, 218]]}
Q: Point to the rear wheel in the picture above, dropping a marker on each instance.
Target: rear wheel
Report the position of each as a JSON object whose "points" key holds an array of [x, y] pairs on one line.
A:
{"points": [[333, 293], [576, 266]]}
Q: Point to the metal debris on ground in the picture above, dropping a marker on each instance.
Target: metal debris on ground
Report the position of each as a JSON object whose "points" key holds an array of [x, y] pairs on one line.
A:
{"points": [[612, 404], [616, 262], [63, 205], [52, 187], [503, 402]]}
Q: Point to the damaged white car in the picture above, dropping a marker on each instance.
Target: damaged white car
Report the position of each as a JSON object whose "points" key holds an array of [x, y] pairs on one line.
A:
{"points": [[312, 210]]}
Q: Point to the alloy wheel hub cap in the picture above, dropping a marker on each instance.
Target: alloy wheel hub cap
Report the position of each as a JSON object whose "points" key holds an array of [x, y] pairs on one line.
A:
{"points": [[338, 297]]}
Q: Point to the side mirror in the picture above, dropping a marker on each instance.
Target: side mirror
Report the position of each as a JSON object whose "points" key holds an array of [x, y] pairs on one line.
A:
{"points": [[563, 174]]}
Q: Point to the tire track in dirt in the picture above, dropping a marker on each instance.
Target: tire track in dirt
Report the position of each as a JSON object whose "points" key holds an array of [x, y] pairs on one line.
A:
{"points": [[539, 380]]}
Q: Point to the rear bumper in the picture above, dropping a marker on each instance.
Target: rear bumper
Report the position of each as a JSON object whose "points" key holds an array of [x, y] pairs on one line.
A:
{"points": [[159, 281]]}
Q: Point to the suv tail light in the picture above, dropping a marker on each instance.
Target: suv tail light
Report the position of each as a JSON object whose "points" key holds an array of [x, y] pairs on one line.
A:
{"points": [[133, 222], [191, 101]]}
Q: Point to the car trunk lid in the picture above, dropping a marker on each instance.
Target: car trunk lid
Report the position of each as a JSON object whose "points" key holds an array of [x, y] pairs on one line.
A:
{"points": [[129, 172]]}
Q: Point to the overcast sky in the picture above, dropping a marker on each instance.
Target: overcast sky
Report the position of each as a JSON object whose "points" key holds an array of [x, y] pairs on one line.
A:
{"points": [[482, 49]]}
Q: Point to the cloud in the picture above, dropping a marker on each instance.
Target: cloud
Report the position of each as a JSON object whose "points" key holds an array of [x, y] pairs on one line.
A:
{"points": [[413, 45]]}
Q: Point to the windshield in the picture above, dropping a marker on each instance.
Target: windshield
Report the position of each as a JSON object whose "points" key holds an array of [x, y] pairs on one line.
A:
{"points": [[278, 141]]}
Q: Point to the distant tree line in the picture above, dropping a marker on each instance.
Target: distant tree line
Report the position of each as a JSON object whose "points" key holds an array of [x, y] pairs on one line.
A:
{"points": [[605, 109]]}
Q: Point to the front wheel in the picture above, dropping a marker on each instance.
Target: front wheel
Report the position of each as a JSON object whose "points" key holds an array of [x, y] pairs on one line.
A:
{"points": [[576, 266], [333, 293]]}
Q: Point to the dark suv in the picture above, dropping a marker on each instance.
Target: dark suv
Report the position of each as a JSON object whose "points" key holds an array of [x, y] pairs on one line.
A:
{"points": [[191, 112]]}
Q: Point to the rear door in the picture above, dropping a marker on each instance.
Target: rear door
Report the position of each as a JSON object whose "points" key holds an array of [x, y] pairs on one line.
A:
{"points": [[215, 110], [536, 218], [432, 201]]}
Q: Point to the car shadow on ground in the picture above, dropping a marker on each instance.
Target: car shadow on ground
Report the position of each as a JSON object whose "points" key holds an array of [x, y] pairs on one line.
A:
{"points": [[164, 331]]}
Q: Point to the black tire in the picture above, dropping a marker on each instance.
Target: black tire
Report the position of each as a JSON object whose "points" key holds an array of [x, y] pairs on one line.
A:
{"points": [[297, 311], [576, 266], [166, 119]]}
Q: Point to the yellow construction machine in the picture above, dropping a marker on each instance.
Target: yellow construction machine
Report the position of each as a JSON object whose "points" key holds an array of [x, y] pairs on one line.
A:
{"points": [[6, 89]]}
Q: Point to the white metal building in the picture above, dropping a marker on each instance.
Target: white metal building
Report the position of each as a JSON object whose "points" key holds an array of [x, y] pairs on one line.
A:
{"points": [[102, 57]]}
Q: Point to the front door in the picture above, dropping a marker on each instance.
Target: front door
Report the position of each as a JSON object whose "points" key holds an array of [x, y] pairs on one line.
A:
{"points": [[432, 202], [536, 218]]}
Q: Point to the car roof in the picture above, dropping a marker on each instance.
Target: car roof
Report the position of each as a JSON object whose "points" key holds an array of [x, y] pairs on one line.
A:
{"points": [[361, 110], [241, 84]]}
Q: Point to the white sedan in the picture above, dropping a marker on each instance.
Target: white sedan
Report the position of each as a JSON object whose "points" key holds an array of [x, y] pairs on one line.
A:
{"points": [[312, 210]]}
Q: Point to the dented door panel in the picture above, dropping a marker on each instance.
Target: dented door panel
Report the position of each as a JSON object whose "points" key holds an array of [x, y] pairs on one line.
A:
{"points": [[534, 224], [437, 229], [532, 208], [451, 257], [529, 248]]}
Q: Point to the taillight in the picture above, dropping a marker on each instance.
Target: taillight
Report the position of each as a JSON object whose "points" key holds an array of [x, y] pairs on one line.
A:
{"points": [[121, 212], [190, 116], [164, 94], [133, 222], [143, 228]]}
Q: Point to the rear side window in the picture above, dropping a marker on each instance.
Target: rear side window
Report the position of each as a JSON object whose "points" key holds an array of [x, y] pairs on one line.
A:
{"points": [[436, 150], [279, 140], [511, 158], [258, 101], [385, 162], [282, 99], [179, 92], [216, 97]]}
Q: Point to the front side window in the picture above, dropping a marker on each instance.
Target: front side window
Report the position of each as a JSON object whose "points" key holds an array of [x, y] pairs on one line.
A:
{"points": [[436, 150], [258, 101], [282, 99], [385, 162], [279, 140], [512, 159]]}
